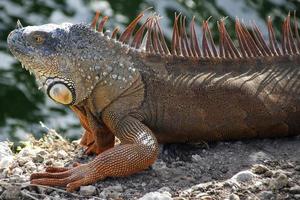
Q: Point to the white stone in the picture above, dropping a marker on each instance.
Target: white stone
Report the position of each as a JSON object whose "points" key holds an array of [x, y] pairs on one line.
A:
{"points": [[243, 176], [87, 190], [156, 196]]}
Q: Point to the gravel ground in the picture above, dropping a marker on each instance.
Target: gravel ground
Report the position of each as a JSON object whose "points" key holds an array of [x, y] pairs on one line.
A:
{"points": [[251, 169]]}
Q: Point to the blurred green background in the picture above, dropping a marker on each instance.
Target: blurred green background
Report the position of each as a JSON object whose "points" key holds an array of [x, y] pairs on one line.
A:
{"points": [[22, 105]]}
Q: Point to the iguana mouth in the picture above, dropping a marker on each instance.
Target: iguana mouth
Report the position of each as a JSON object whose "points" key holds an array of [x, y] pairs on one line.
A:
{"points": [[60, 90], [39, 76]]}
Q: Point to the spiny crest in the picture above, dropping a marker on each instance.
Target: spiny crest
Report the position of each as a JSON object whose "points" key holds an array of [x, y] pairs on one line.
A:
{"points": [[149, 38]]}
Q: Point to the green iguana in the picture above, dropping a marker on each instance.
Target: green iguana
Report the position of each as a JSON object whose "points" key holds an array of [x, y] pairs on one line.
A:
{"points": [[134, 87]]}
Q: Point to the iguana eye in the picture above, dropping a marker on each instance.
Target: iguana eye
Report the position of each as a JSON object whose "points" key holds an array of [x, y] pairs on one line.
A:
{"points": [[39, 39]]}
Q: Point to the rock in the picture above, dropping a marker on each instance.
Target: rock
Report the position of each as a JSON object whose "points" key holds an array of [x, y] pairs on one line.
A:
{"points": [[266, 195], [27, 152], [156, 196], [279, 182], [113, 192], [5, 149], [38, 158], [297, 168], [268, 173], [202, 194], [243, 176], [30, 166], [6, 161], [58, 163], [23, 178], [11, 193], [258, 185], [234, 197], [165, 189], [6, 155], [49, 162], [158, 165], [259, 169], [55, 195], [42, 152], [17, 171], [297, 196], [87, 190], [206, 198], [259, 156], [23, 160], [295, 189], [196, 158], [287, 165], [61, 154]]}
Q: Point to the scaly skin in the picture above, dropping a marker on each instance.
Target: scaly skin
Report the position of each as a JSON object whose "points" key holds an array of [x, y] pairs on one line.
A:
{"points": [[144, 98]]}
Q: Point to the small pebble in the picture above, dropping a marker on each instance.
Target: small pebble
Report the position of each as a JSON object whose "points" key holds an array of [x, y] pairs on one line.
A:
{"points": [[23, 160], [113, 192], [259, 169], [6, 161], [58, 163], [258, 185], [5, 149], [202, 194], [158, 165], [11, 193], [156, 196], [61, 154], [87, 190], [266, 195], [27, 152], [243, 176], [234, 197], [17, 171], [268, 173], [196, 158], [206, 198], [30, 166], [165, 189], [38, 158], [279, 182], [295, 189], [6, 155]]}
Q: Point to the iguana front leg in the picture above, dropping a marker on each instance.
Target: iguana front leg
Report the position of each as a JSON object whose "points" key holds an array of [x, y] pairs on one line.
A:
{"points": [[97, 137], [137, 151]]}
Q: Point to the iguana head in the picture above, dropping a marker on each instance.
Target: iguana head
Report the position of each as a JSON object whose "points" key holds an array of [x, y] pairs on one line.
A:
{"points": [[65, 58], [68, 60]]}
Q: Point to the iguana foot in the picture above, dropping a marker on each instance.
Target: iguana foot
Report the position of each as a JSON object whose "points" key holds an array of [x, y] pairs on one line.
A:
{"points": [[71, 178]]}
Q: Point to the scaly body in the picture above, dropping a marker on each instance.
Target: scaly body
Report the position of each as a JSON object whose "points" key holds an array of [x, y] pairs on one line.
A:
{"points": [[146, 93]]}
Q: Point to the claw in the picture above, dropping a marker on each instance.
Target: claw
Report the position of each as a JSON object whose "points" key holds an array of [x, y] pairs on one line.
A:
{"points": [[50, 182], [61, 174], [56, 169], [71, 178]]}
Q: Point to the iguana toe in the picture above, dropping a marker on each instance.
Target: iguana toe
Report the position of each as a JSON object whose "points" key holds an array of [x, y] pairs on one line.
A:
{"points": [[71, 178]]}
